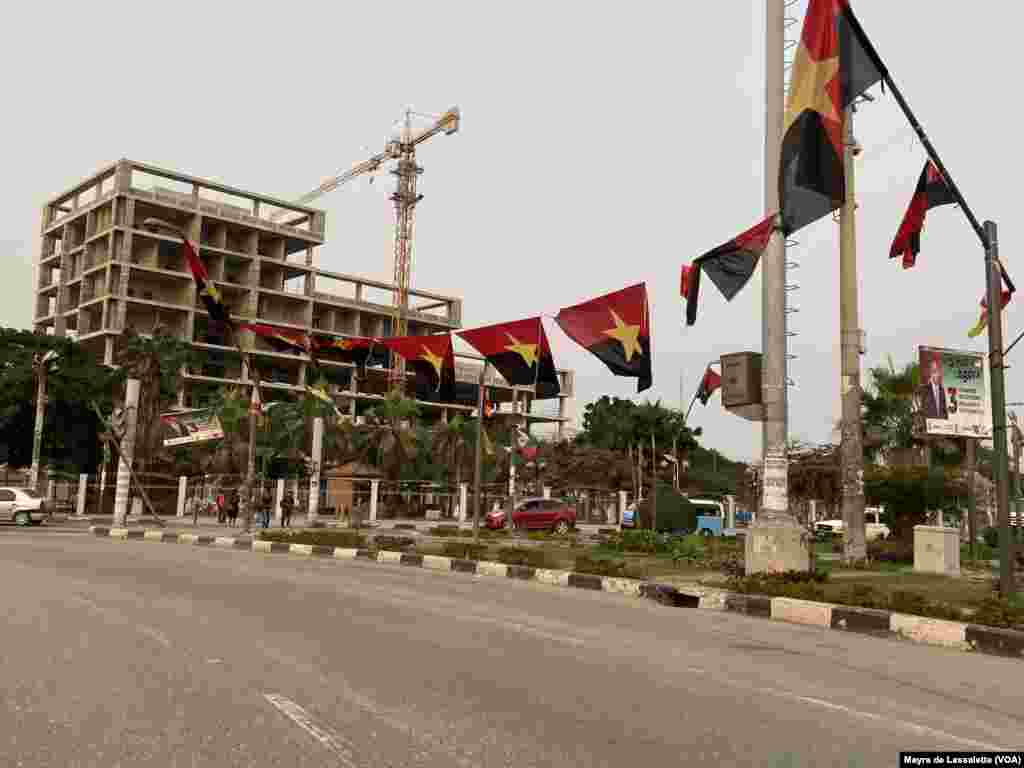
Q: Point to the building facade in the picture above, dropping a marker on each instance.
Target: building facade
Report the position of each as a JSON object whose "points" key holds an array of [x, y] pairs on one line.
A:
{"points": [[100, 271]]}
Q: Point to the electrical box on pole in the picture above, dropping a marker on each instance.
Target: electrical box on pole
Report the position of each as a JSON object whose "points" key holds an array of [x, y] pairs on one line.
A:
{"points": [[741, 385]]}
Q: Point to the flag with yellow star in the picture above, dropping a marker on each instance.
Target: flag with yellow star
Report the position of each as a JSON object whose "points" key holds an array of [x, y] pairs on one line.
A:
{"points": [[519, 351], [615, 328], [833, 65], [208, 292], [432, 359], [281, 339], [729, 266], [355, 350]]}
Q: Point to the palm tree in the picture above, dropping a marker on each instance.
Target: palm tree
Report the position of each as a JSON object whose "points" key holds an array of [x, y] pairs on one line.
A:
{"points": [[451, 440], [392, 439], [890, 410]]}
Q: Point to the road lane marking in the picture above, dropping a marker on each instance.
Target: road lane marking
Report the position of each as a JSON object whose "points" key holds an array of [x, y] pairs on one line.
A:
{"points": [[322, 733], [905, 724], [142, 629]]}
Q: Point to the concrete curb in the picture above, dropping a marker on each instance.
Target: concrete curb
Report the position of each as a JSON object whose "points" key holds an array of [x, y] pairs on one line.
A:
{"points": [[876, 623]]}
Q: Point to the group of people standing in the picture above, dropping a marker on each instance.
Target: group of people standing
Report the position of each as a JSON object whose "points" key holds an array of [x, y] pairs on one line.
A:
{"points": [[230, 505]]}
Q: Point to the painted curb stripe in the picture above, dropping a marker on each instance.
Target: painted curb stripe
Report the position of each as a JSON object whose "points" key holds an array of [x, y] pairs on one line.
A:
{"points": [[585, 581], [438, 563], [464, 566], [864, 621], [524, 572], [993, 641], [801, 612], [996, 641]]}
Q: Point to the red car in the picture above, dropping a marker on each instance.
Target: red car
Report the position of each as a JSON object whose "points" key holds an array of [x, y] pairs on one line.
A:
{"points": [[534, 514]]}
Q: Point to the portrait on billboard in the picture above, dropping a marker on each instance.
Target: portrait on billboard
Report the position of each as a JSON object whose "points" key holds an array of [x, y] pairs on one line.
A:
{"points": [[952, 398]]}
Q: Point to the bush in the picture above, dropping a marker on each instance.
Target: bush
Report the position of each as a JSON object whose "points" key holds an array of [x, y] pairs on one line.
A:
{"points": [[800, 585], [675, 512], [991, 537], [464, 551], [891, 551], [445, 530], [320, 537], [534, 558], [919, 605], [599, 566], [393, 542], [999, 612]]}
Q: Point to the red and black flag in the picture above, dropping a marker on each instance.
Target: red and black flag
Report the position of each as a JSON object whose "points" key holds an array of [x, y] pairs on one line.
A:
{"points": [[708, 386], [355, 350], [932, 191], [616, 328], [432, 359], [834, 64], [208, 292], [729, 266], [281, 339], [519, 351]]}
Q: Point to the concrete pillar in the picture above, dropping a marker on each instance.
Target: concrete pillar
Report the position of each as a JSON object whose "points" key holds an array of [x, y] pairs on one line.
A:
{"points": [[730, 511], [622, 506], [182, 490], [463, 501], [813, 511], [314, 478], [278, 495], [374, 494], [137, 506], [547, 491], [131, 401], [83, 485]]}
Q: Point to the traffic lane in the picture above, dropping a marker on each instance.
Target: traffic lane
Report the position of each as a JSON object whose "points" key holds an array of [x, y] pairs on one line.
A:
{"points": [[93, 678], [507, 655]]}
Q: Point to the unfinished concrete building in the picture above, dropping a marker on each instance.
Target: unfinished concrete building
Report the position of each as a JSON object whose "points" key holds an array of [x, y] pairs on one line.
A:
{"points": [[101, 271]]}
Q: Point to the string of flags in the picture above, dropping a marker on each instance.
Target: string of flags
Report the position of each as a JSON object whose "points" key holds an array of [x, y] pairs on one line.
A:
{"points": [[834, 64]]}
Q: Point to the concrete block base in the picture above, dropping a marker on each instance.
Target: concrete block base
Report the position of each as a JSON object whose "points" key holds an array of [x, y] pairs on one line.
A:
{"points": [[936, 550], [776, 547]]}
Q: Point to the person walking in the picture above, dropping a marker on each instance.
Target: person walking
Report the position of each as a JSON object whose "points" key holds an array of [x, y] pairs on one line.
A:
{"points": [[266, 502], [232, 509], [221, 511], [287, 506], [195, 507]]}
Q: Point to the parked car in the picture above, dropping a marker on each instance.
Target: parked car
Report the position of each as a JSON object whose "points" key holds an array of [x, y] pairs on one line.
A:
{"points": [[874, 528], [536, 514], [23, 506]]}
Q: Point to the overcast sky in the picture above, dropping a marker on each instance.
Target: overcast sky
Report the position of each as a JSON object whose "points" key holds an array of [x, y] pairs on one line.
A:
{"points": [[601, 146]]}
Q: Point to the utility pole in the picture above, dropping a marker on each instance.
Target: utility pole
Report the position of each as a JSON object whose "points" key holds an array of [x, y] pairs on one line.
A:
{"points": [[37, 437], [851, 449], [250, 472], [773, 283], [994, 283], [971, 460]]}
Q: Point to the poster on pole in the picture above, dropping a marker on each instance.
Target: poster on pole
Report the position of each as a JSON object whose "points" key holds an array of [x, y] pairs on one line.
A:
{"points": [[187, 427], [953, 394]]}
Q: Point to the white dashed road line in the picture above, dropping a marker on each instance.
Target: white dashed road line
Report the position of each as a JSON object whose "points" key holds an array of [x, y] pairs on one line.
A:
{"points": [[327, 737]]}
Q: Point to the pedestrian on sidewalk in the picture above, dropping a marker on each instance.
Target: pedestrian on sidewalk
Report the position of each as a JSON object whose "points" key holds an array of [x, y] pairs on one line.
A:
{"points": [[221, 511], [287, 506], [232, 508], [266, 502], [196, 506]]}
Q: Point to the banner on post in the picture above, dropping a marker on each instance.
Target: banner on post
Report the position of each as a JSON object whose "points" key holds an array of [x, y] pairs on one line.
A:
{"points": [[187, 427], [953, 395]]}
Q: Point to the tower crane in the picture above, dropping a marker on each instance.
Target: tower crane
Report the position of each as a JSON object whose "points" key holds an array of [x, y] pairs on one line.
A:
{"points": [[405, 198]]}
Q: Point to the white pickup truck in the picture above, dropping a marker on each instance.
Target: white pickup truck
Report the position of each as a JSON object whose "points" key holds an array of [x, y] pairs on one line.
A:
{"points": [[874, 527]]}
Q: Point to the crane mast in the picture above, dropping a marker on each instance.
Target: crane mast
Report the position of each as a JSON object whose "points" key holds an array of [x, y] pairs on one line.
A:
{"points": [[405, 198]]}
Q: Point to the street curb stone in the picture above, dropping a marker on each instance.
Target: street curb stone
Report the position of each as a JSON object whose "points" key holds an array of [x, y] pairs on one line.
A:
{"points": [[993, 641]]}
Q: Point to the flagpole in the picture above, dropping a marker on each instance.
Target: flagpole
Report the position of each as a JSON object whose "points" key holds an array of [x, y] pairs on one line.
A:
{"points": [[919, 130], [479, 455]]}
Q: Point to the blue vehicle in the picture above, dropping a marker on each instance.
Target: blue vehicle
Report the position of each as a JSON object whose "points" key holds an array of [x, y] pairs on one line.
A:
{"points": [[711, 518]]}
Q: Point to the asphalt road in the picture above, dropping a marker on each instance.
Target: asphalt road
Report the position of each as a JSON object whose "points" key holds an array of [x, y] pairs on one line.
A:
{"points": [[136, 653]]}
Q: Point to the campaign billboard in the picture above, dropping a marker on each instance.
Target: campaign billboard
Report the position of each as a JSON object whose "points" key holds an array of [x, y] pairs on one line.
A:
{"points": [[186, 427], [953, 394]]}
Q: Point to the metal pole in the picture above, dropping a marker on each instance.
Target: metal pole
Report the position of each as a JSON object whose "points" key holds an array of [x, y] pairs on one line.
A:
{"points": [[773, 338], [126, 451], [995, 346], [250, 472], [851, 450], [479, 454], [971, 451], [37, 437], [654, 487]]}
